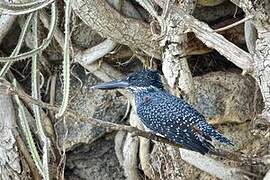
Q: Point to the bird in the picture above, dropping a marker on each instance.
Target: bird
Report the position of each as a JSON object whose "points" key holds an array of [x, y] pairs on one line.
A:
{"points": [[165, 114]]}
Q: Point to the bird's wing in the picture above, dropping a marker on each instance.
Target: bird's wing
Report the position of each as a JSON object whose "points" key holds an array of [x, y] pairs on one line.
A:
{"points": [[173, 118], [202, 127], [208, 131]]}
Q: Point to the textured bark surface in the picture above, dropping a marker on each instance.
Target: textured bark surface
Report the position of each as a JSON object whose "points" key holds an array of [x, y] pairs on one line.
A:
{"points": [[212, 166], [261, 15], [239, 57], [112, 38], [10, 167], [175, 66], [175, 43], [6, 21], [262, 64], [109, 23], [134, 33]]}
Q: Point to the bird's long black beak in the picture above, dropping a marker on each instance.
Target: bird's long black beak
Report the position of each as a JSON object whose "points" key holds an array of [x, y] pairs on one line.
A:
{"points": [[116, 84]]}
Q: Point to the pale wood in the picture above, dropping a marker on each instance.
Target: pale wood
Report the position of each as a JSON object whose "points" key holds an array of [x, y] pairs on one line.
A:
{"points": [[9, 156]]}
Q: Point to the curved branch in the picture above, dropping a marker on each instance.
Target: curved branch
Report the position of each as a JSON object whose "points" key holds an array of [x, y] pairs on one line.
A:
{"points": [[92, 54], [44, 44], [6, 21], [214, 40], [103, 71], [7, 88], [246, 5], [105, 20], [17, 49], [66, 61], [267, 175], [36, 94], [136, 34], [250, 36], [211, 166], [130, 151], [24, 8]]}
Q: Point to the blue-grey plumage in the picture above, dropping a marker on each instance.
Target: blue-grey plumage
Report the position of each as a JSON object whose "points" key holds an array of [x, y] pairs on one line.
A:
{"points": [[166, 114], [175, 119]]}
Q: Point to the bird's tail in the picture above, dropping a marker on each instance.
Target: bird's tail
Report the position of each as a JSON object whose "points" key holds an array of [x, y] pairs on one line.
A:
{"points": [[208, 130]]}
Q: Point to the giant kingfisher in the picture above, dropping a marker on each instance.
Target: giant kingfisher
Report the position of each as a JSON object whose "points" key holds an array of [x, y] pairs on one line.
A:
{"points": [[167, 115]]}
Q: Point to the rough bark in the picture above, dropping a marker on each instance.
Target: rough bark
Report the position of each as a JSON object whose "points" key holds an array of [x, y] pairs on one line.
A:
{"points": [[118, 26], [175, 66], [211, 166], [105, 20], [262, 64], [6, 22], [137, 34], [260, 11], [214, 40], [9, 156]]}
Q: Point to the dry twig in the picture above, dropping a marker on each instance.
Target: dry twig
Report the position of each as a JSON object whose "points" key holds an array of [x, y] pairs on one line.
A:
{"points": [[234, 156]]}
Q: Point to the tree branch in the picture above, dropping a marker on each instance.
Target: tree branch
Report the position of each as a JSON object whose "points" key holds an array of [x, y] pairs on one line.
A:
{"points": [[212, 166], [90, 55], [137, 34], [7, 88], [214, 40], [267, 176], [9, 159], [246, 5], [6, 21], [109, 23]]}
